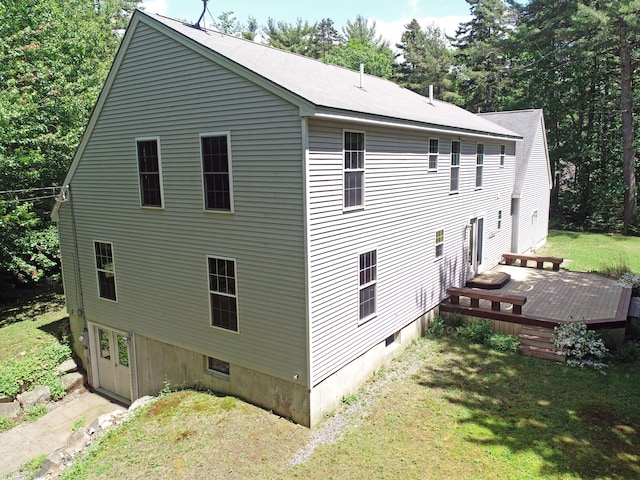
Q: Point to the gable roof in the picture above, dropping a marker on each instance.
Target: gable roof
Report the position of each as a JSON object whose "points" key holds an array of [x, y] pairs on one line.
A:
{"points": [[527, 123], [329, 87], [317, 88]]}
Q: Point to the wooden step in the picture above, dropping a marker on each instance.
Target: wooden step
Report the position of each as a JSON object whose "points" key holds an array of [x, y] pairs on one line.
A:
{"points": [[538, 331], [535, 341], [542, 353]]}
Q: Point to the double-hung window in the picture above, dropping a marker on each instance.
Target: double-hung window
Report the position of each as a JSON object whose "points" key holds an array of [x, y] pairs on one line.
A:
{"points": [[499, 219], [434, 148], [216, 170], [479, 164], [455, 167], [368, 276], [223, 297], [439, 243], [503, 152], [105, 270], [149, 172], [353, 169]]}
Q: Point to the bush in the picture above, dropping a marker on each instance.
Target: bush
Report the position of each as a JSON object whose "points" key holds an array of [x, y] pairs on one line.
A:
{"points": [[628, 352], [6, 424], [503, 342], [39, 368], [628, 279], [453, 320], [477, 331], [437, 327], [583, 348]]}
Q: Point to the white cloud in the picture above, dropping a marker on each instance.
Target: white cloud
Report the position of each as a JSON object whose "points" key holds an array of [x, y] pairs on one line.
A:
{"points": [[156, 6], [392, 31], [413, 5]]}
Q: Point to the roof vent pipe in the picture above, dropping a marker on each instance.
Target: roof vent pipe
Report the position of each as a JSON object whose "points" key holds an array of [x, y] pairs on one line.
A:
{"points": [[362, 75], [430, 94]]}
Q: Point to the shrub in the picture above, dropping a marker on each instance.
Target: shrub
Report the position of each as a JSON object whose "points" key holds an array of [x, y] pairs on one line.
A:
{"points": [[21, 375], [6, 423], [437, 327], [453, 320], [503, 342], [583, 348], [628, 279], [477, 331], [628, 352], [615, 267]]}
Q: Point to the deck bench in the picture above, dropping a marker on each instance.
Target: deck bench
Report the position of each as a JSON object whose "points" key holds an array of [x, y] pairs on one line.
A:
{"points": [[510, 258], [476, 294]]}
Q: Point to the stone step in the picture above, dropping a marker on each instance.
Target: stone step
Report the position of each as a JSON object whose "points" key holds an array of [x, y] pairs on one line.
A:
{"points": [[535, 341], [539, 331], [542, 353]]}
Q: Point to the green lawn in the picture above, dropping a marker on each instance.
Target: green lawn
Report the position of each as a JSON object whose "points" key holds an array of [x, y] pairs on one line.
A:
{"points": [[464, 412], [594, 252]]}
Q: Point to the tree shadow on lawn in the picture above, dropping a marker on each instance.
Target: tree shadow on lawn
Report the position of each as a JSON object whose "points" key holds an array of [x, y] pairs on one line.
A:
{"points": [[29, 306], [580, 422]]}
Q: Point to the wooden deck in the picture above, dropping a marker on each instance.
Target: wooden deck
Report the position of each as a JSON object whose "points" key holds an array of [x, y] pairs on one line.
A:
{"points": [[555, 297]]}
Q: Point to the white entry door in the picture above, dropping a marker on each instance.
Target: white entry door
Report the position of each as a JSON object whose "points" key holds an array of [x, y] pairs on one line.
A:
{"points": [[476, 240], [114, 374]]}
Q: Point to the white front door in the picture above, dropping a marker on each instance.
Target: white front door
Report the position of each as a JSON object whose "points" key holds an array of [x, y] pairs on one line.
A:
{"points": [[112, 352], [476, 240]]}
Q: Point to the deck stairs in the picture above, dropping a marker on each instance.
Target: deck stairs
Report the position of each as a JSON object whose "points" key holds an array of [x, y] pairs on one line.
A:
{"points": [[536, 342]]}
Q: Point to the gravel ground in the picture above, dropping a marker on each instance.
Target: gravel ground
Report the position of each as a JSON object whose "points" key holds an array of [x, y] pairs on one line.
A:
{"points": [[348, 417]]}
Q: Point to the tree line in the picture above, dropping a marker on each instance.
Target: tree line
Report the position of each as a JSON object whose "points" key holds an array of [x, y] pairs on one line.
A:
{"points": [[576, 59]]}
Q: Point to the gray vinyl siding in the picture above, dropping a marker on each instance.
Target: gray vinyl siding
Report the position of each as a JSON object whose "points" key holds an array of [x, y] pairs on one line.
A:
{"points": [[167, 90], [68, 260], [405, 205], [535, 196]]}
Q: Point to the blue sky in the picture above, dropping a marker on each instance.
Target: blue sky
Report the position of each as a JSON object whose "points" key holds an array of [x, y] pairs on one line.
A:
{"points": [[390, 16]]}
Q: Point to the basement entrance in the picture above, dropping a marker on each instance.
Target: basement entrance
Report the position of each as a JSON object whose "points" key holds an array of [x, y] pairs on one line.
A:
{"points": [[112, 360]]}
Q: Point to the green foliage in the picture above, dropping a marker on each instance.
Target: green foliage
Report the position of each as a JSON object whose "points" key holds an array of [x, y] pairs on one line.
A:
{"points": [[6, 423], [377, 61], [166, 388], [583, 348], [35, 412], [293, 37], [426, 61], [476, 331], [33, 465], [437, 327], [628, 352], [503, 342], [54, 58], [39, 368], [350, 399]]}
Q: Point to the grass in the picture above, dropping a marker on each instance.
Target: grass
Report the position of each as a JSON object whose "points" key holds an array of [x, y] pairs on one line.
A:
{"points": [[465, 412], [594, 252]]}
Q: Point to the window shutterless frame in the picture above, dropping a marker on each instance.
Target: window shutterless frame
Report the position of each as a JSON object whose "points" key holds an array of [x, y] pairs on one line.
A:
{"points": [[149, 163], [479, 164], [439, 244], [503, 153], [353, 167], [434, 152], [217, 172], [222, 288], [367, 285], [105, 271], [454, 183]]}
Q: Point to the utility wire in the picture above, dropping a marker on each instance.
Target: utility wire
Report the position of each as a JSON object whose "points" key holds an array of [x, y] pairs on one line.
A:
{"points": [[22, 190]]}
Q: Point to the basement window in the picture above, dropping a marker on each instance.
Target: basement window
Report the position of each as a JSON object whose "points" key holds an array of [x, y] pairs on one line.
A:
{"points": [[218, 368]]}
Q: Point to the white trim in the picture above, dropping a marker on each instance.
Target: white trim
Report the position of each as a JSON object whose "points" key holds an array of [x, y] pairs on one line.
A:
{"points": [[362, 321], [435, 244], [236, 296], [446, 131], [158, 145], [307, 247], [363, 170], [436, 154], [95, 264], [226, 133], [452, 166]]}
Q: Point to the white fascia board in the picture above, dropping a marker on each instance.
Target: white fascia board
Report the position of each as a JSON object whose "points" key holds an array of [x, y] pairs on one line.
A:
{"points": [[421, 128]]}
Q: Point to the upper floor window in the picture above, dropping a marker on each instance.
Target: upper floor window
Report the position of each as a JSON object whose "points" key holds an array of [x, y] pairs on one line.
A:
{"points": [[149, 172], [434, 149], [455, 166], [439, 243], [367, 281], [503, 151], [499, 219], [479, 164], [353, 169], [223, 295], [105, 270], [216, 169]]}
